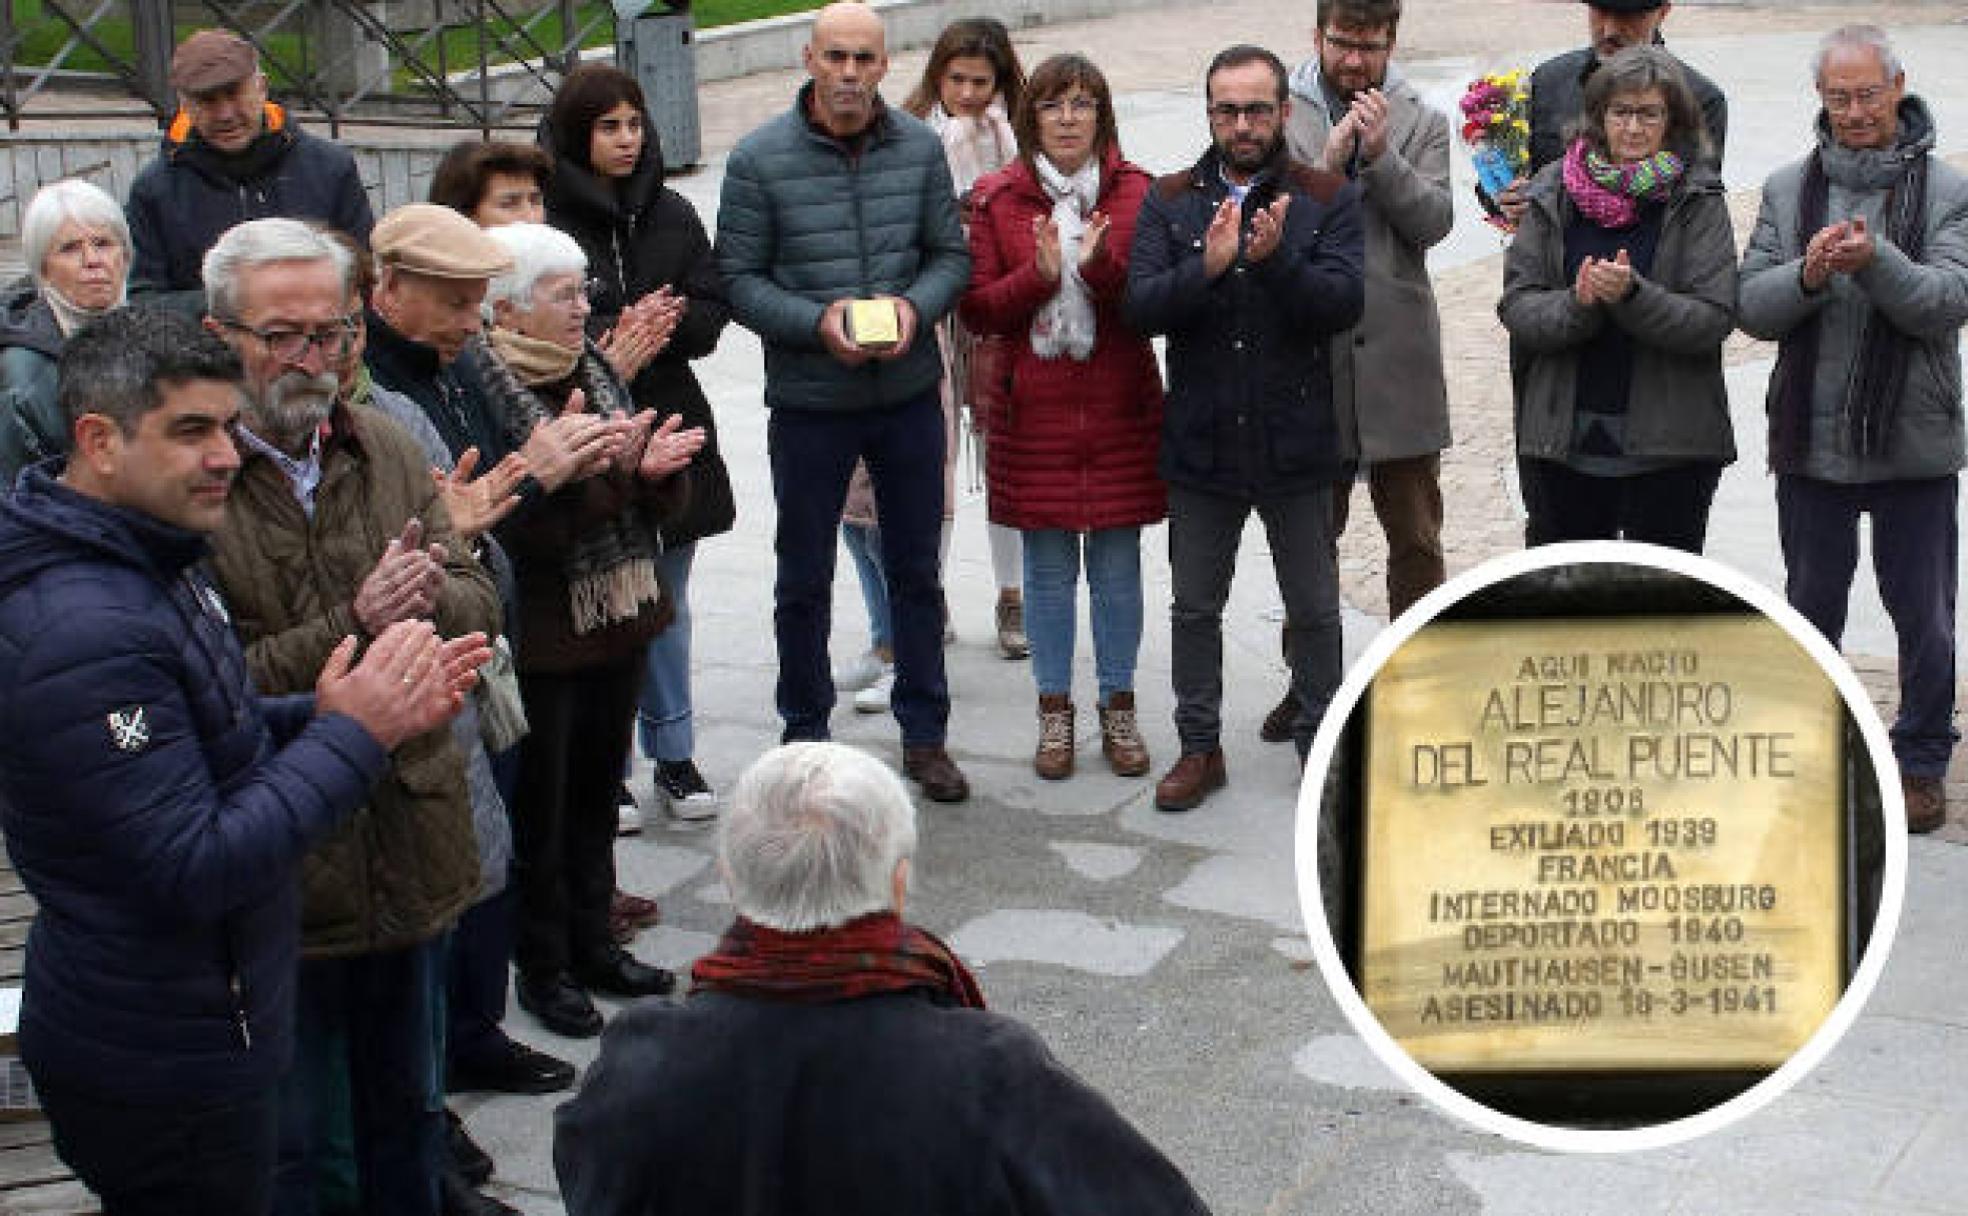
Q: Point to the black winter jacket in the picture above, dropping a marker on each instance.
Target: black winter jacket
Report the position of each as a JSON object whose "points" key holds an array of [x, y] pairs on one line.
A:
{"points": [[31, 424], [640, 235], [883, 1106], [1249, 409], [151, 808], [185, 199]]}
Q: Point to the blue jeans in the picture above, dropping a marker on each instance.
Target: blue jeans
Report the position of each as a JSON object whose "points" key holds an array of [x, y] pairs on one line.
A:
{"points": [[212, 1158], [383, 1009], [813, 454], [1915, 557], [663, 715], [1052, 576], [864, 546]]}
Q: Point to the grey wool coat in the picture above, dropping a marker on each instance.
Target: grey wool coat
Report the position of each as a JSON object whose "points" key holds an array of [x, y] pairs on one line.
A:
{"points": [[804, 221], [1389, 396], [1927, 300], [1678, 317]]}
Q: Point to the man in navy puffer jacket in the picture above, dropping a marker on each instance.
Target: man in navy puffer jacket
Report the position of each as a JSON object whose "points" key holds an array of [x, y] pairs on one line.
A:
{"points": [[155, 806]]}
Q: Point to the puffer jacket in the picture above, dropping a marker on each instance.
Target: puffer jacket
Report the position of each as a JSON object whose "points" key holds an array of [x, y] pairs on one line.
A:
{"points": [[1925, 300], [155, 806], [640, 235], [1677, 318], [403, 868], [1249, 410], [31, 423], [1075, 445], [182, 201], [806, 219], [1390, 395]]}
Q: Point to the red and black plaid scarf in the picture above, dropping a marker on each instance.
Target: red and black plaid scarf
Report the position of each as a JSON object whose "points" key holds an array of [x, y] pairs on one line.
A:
{"points": [[867, 956]]}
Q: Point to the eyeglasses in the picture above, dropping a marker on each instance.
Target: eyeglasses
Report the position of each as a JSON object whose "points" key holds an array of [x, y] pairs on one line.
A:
{"points": [[1060, 107], [1355, 46], [571, 295], [1645, 116], [291, 345], [1228, 112], [1838, 100]]}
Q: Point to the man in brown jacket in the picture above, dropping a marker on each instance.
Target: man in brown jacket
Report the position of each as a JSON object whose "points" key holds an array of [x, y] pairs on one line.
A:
{"points": [[335, 528]]}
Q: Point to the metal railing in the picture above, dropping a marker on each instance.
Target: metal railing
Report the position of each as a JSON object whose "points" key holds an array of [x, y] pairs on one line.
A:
{"points": [[485, 64]]}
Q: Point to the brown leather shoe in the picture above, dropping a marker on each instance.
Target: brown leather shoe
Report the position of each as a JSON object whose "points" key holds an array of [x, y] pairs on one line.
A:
{"points": [[1054, 759], [1926, 803], [1120, 737], [938, 775], [630, 914], [1280, 722], [1012, 642], [1194, 778]]}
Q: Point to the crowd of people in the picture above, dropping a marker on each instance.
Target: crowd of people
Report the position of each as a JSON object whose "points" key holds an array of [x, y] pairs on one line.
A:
{"points": [[345, 562]]}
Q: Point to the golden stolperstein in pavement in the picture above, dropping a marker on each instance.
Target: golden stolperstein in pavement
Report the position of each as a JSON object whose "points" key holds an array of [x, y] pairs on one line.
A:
{"points": [[1603, 845]]}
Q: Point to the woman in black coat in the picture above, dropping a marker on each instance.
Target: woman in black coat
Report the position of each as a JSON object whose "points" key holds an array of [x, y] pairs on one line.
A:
{"points": [[658, 303]]}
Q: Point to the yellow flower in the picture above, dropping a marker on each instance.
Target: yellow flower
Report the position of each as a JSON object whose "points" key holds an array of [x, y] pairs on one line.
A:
{"points": [[1520, 124], [1497, 120]]}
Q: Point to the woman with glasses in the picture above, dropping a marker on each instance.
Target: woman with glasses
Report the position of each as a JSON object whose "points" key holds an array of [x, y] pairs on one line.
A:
{"points": [[1619, 291], [658, 303], [77, 250], [590, 600], [1072, 451]]}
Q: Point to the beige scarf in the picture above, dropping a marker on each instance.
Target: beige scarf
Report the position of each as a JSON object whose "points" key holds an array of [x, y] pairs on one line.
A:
{"points": [[534, 360]]}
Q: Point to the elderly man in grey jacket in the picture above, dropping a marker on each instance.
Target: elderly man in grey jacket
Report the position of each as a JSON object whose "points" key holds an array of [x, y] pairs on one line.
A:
{"points": [[1859, 270], [1353, 113], [839, 238]]}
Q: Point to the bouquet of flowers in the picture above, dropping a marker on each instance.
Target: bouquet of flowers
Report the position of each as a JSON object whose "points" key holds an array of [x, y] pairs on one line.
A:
{"points": [[1496, 125]]}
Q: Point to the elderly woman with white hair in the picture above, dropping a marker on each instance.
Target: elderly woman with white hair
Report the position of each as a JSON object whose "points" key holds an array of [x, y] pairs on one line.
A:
{"points": [[77, 249], [834, 1059], [589, 601]]}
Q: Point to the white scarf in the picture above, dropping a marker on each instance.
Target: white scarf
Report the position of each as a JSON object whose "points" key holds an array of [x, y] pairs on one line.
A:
{"points": [[70, 316], [1065, 323]]}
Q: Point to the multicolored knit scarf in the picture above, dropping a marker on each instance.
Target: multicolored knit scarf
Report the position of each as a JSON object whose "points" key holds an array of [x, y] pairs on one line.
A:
{"points": [[867, 956], [1610, 194]]}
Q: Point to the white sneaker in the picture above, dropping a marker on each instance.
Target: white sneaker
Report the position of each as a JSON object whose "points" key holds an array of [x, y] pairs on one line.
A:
{"points": [[863, 671], [628, 816], [874, 698]]}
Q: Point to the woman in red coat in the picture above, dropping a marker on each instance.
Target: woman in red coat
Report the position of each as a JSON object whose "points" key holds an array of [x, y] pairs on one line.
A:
{"points": [[1071, 456]]}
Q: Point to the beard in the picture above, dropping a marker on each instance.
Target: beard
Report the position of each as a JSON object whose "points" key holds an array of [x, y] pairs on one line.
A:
{"points": [[1246, 155], [294, 405]]}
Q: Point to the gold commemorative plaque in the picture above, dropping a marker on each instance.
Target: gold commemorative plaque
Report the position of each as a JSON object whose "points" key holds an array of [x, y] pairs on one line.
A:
{"points": [[874, 325], [1605, 845]]}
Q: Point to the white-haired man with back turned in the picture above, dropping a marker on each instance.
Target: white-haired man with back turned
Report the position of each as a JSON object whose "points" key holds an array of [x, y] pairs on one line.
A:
{"points": [[833, 1059]]}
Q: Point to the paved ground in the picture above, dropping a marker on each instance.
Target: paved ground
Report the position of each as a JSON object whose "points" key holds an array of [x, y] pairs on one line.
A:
{"points": [[1163, 956]]}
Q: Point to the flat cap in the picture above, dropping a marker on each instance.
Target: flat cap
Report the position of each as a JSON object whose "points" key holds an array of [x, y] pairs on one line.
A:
{"points": [[212, 59], [425, 238], [1627, 6]]}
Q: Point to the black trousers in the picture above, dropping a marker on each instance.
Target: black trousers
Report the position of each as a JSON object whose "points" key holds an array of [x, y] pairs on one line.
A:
{"points": [[570, 770], [1665, 507], [215, 1159]]}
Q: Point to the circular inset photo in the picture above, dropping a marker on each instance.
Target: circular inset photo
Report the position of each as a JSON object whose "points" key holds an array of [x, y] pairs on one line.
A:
{"points": [[1593, 847]]}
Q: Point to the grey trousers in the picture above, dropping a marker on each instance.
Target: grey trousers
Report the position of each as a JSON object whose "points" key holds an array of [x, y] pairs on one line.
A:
{"points": [[1204, 533]]}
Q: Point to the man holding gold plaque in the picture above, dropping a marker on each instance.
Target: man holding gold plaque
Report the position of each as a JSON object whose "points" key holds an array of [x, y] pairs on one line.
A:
{"points": [[838, 233]]}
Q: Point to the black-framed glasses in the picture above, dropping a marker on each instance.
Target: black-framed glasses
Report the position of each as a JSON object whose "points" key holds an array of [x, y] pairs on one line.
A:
{"points": [[1357, 46], [1229, 112], [291, 345], [1059, 107]]}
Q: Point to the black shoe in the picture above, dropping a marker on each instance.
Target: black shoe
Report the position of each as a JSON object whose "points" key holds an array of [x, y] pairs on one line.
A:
{"points": [[560, 1005], [456, 1197], [463, 1157], [620, 974], [510, 1068]]}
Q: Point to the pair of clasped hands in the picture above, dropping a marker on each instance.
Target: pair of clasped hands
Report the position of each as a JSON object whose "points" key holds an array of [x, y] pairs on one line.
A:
{"points": [[1842, 248]]}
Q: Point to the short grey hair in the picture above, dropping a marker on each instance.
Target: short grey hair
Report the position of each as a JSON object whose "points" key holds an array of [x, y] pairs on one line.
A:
{"points": [[260, 243], [1857, 37], [537, 251], [812, 837], [59, 202]]}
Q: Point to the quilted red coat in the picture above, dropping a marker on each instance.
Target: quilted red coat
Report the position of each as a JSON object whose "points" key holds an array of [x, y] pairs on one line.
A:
{"points": [[1075, 447]]}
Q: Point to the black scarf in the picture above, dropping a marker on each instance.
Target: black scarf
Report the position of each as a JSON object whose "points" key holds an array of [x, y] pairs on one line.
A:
{"points": [[1872, 391]]}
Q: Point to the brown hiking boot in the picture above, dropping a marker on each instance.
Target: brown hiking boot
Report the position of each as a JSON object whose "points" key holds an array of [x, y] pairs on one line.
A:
{"points": [[1280, 722], [1194, 778], [1926, 803], [1012, 642], [1120, 737], [1054, 759], [938, 775]]}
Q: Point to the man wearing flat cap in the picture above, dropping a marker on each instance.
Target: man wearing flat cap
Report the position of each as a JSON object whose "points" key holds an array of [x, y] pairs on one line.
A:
{"points": [[1558, 86], [230, 155]]}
